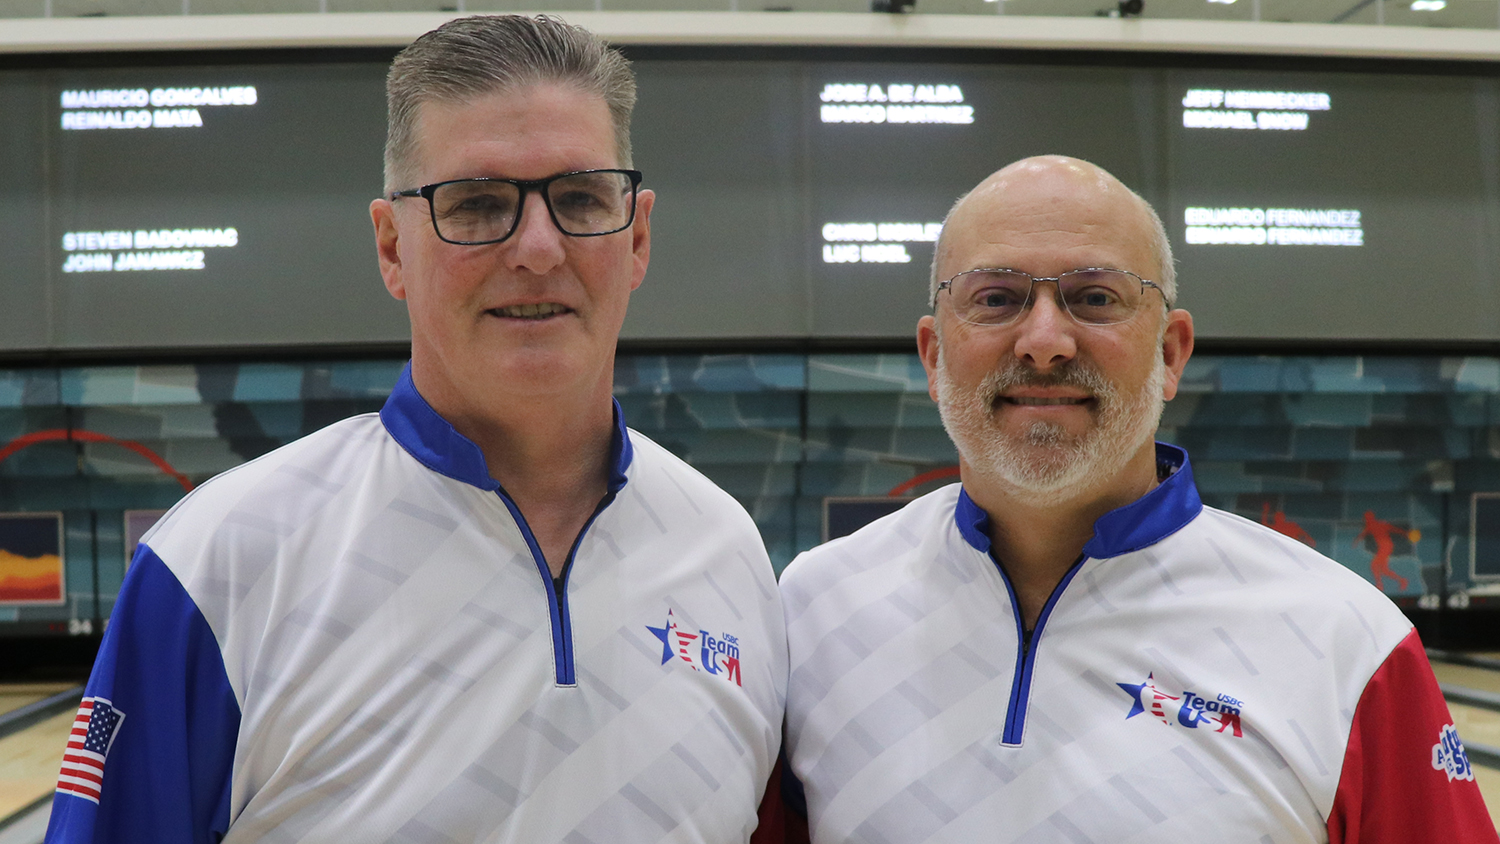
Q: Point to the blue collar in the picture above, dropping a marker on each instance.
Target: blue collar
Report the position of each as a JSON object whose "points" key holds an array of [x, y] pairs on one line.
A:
{"points": [[1144, 522], [428, 437]]}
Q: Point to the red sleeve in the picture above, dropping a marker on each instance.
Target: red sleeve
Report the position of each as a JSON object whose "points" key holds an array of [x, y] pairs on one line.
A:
{"points": [[779, 822], [1406, 777]]}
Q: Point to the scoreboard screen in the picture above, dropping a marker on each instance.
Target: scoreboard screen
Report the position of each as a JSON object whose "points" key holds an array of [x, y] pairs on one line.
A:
{"points": [[202, 206], [891, 147], [1336, 205], [799, 195]]}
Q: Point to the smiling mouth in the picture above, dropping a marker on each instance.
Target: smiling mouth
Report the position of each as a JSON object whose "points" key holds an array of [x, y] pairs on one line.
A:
{"points": [[537, 311], [1051, 401]]}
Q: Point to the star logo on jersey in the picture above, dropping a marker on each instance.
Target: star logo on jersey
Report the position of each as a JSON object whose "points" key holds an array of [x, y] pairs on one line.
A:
{"points": [[716, 655], [664, 633], [1448, 755], [1187, 709]]}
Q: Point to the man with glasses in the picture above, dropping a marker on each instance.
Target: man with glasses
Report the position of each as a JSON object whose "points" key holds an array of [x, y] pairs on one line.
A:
{"points": [[492, 612], [1068, 646]]}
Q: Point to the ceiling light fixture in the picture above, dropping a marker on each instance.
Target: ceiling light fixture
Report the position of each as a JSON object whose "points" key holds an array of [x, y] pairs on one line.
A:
{"points": [[1428, 5]]}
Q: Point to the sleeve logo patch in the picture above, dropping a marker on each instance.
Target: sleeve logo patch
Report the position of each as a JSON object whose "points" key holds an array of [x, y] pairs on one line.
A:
{"points": [[94, 730], [702, 650], [1188, 709], [1449, 757]]}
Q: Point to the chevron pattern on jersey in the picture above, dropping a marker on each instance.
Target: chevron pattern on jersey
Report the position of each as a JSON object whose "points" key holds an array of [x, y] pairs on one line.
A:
{"points": [[1202, 686]]}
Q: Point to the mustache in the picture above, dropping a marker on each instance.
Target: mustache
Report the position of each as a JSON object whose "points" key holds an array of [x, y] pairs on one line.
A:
{"points": [[1074, 374]]}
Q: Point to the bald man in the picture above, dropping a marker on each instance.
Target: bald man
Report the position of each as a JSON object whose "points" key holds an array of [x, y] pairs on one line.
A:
{"points": [[1067, 645]]}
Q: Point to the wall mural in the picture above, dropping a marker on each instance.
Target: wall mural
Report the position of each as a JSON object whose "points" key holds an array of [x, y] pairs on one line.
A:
{"points": [[31, 558]]}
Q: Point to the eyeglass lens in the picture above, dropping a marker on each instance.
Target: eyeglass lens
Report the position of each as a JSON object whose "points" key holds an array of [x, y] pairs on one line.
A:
{"points": [[1095, 297], [478, 210]]}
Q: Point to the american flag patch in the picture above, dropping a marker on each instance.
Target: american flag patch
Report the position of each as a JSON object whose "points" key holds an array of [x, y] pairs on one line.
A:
{"points": [[83, 762]]}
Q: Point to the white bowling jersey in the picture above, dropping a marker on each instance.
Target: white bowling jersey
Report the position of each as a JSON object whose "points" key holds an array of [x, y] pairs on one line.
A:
{"points": [[355, 639], [1195, 677]]}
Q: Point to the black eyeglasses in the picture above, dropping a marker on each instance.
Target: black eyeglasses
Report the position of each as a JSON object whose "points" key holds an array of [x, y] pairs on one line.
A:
{"points": [[1091, 296], [586, 203]]}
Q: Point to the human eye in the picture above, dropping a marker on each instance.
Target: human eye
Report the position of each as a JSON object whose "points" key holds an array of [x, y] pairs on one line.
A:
{"points": [[997, 295], [475, 200], [1094, 297], [586, 193], [590, 203], [989, 296], [1101, 296], [578, 200]]}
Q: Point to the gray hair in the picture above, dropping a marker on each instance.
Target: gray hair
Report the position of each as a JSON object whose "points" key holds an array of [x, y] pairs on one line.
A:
{"points": [[1161, 250], [473, 56]]}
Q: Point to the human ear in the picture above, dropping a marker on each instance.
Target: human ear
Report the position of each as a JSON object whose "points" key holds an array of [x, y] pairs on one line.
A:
{"points": [[387, 245], [640, 235], [928, 344], [1176, 348]]}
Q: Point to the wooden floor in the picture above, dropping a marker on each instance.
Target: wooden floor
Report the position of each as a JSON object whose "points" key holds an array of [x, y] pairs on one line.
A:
{"points": [[29, 759], [1480, 726], [17, 695]]}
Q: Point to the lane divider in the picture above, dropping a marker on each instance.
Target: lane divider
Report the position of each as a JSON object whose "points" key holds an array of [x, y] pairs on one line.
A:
{"points": [[17, 720], [21, 814], [1457, 658], [1479, 754], [32, 713]]}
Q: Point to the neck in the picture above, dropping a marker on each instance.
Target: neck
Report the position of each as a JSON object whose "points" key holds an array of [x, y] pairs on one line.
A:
{"points": [[545, 455], [1036, 544], [549, 451]]}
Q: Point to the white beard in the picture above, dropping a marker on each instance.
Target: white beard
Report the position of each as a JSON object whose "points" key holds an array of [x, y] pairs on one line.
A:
{"points": [[1046, 462]]}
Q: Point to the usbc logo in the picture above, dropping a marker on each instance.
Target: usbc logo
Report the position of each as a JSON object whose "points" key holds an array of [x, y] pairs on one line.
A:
{"points": [[716, 655], [1188, 709]]}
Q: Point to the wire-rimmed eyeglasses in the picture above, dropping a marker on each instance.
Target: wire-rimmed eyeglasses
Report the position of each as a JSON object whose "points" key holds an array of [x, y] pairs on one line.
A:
{"points": [[1091, 296], [585, 203]]}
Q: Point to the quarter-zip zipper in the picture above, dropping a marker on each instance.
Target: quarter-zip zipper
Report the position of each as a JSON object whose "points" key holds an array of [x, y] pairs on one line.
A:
{"points": [[1026, 647], [557, 598]]}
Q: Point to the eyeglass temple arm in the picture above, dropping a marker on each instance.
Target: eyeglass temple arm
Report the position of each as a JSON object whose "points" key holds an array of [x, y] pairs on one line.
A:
{"points": [[1169, 304]]}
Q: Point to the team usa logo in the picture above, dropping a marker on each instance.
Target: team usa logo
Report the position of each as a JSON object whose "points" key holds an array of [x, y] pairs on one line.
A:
{"points": [[702, 650], [1448, 755], [1187, 709]]}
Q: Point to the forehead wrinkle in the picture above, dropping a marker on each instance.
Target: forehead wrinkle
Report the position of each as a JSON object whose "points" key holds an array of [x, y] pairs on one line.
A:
{"points": [[461, 114], [1099, 216], [1066, 234]]}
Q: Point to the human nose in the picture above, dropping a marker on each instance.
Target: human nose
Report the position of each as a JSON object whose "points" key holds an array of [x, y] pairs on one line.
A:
{"points": [[1045, 337], [537, 243]]}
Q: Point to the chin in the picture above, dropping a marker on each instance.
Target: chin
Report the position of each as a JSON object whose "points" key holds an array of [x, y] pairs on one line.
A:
{"points": [[1046, 467], [1079, 477], [549, 368], [1047, 464]]}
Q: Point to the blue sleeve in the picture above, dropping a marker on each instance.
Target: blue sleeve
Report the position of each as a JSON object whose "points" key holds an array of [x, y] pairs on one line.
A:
{"points": [[164, 716]]}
